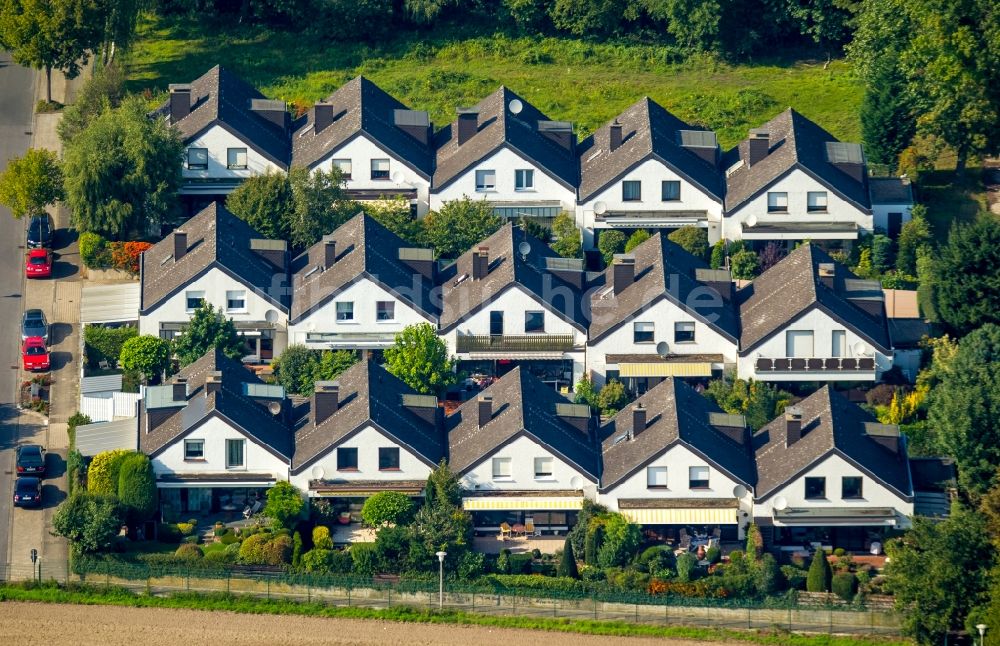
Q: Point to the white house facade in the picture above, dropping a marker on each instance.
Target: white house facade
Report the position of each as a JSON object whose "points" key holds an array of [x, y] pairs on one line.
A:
{"points": [[220, 155]]}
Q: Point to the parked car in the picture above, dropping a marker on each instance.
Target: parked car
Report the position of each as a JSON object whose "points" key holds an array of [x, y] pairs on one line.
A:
{"points": [[28, 492], [38, 263], [33, 323], [34, 354], [30, 460], [40, 231]]}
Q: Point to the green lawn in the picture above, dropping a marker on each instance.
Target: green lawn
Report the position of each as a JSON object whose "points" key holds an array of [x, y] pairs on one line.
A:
{"points": [[568, 79]]}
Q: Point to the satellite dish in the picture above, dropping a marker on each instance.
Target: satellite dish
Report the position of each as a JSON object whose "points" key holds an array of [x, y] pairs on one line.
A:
{"points": [[576, 482], [275, 408], [752, 221], [600, 208], [781, 503], [739, 491], [662, 348], [398, 177], [318, 473], [515, 106], [524, 249], [271, 316], [859, 349]]}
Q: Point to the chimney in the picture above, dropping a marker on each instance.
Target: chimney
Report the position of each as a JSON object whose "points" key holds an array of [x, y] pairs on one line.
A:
{"points": [[480, 263], [760, 146], [423, 406], [273, 251], [638, 420], [419, 260], [558, 132], [273, 111], [828, 274], [415, 123], [485, 403], [325, 400], [793, 425], [213, 382], [180, 244], [468, 124], [623, 273], [614, 135], [329, 252], [322, 116], [180, 101], [180, 390]]}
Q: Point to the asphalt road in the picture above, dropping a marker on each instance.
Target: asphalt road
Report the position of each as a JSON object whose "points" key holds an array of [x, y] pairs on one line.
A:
{"points": [[16, 94]]}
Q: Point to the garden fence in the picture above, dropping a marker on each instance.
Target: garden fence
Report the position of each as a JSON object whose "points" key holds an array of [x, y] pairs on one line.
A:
{"points": [[777, 613]]}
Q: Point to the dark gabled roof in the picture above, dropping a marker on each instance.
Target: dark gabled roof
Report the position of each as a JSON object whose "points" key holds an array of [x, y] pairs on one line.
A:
{"points": [[662, 269], [251, 417], [675, 413], [792, 287], [219, 97], [498, 127], [648, 130], [507, 267], [890, 190], [360, 106], [522, 405], [215, 238], [364, 248], [368, 394], [830, 424], [795, 141]]}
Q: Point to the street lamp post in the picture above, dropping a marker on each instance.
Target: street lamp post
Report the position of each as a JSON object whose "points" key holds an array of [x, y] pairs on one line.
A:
{"points": [[441, 556], [982, 633]]}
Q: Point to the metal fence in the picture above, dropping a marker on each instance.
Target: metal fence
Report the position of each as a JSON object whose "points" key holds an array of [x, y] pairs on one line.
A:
{"points": [[424, 594]]}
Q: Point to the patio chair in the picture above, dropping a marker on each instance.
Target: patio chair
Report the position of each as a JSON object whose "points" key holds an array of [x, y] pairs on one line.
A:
{"points": [[504, 531], [685, 545], [530, 529], [717, 532], [103, 364]]}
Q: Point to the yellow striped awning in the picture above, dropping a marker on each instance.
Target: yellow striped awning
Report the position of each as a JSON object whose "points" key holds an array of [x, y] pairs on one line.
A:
{"points": [[682, 516], [665, 369], [527, 503]]}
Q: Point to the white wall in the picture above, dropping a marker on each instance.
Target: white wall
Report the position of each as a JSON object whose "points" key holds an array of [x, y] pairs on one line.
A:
{"points": [[361, 151], [880, 214], [368, 441], [522, 453], [215, 432], [218, 140], [505, 162], [364, 294], [663, 314], [797, 184]]}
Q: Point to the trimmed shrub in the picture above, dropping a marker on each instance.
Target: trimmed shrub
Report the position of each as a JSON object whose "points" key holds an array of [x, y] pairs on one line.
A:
{"points": [[277, 551], [321, 538], [567, 564], [185, 528], [503, 561], [228, 537], [296, 549], [839, 552], [520, 563], [532, 582], [595, 537], [658, 561], [692, 239], [189, 552], [105, 343], [387, 508], [610, 242], [687, 566], [363, 557], [795, 577], [818, 578], [102, 475], [168, 533], [93, 250], [137, 487], [317, 561], [755, 542], [767, 576], [252, 549], [844, 585], [713, 554], [536, 553]]}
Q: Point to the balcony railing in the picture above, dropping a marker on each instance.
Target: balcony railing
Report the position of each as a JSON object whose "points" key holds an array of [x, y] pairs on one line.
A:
{"points": [[816, 364], [514, 343]]}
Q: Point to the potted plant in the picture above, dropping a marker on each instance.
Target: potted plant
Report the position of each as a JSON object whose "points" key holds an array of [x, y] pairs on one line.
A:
{"points": [[344, 518]]}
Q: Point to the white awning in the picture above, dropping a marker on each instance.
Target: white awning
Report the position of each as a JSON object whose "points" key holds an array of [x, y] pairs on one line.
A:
{"points": [[114, 303], [518, 503], [92, 439]]}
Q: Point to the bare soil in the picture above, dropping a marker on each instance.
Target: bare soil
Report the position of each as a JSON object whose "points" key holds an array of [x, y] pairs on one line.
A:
{"points": [[110, 625]]}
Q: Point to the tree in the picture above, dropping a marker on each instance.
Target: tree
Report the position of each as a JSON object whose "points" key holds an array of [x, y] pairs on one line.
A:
{"points": [[209, 328], [146, 354], [264, 202], [914, 236], [441, 526], [621, 540], [332, 363], [590, 17], [567, 564], [694, 24], [881, 253], [420, 358], [609, 243], [887, 122], [637, 238], [120, 19], [693, 240], [567, 236], [90, 522], [295, 369], [102, 476], [744, 264], [102, 91], [758, 401], [818, 578], [770, 256], [319, 205], [966, 284], [584, 392], [445, 485], [386, 508], [612, 398], [284, 504], [137, 488], [459, 225], [826, 22], [123, 172], [31, 183], [394, 214]]}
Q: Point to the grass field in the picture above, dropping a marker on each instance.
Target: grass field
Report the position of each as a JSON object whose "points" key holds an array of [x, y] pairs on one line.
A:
{"points": [[568, 79]]}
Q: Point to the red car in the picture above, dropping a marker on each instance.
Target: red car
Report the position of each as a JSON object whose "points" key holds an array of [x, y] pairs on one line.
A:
{"points": [[34, 354], [38, 263]]}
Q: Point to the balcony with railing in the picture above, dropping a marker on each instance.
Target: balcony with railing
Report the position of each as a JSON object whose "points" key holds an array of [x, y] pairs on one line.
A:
{"points": [[822, 367], [514, 343]]}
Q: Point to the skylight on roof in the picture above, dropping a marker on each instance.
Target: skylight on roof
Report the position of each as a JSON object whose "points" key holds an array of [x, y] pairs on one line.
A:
{"points": [[697, 138], [839, 152]]}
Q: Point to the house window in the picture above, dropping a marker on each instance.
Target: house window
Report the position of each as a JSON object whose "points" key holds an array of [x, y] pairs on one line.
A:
{"points": [[850, 487], [631, 191], [671, 190], [496, 322], [234, 453], [815, 488], [777, 202], [344, 166], [236, 300], [656, 477], [380, 169], [501, 468], [236, 158], [839, 348], [698, 478], [345, 311], [642, 332], [799, 343], [194, 449], [486, 180], [684, 332], [534, 321], [197, 158], [543, 467], [347, 459], [385, 310], [194, 299], [816, 201], [524, 180], [388, 458]]}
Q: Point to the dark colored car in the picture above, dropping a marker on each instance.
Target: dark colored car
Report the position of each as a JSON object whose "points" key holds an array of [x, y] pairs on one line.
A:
{"points": [[38, 263], [34, 323], [40, 231], [28, 492], [31, 460]]}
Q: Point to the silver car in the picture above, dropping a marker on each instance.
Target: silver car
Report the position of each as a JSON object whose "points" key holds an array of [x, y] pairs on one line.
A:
{"points": [[33, 323]]}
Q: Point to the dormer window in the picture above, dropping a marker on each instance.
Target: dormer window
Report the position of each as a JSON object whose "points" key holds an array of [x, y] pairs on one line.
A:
{"points": [[197, 159]]}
